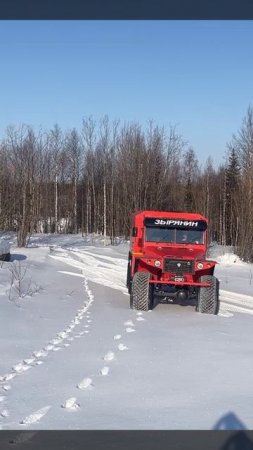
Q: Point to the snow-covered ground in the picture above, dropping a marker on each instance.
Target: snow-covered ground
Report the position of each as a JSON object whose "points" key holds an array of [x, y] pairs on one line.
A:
{"points": [[75, 356]]}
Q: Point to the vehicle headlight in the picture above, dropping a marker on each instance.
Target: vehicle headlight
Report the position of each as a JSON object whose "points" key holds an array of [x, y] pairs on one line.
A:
{"points": [[157, 263], [200, 266]]}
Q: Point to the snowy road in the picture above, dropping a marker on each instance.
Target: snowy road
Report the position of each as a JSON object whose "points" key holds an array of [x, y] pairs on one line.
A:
{"points": [[81, 359]]}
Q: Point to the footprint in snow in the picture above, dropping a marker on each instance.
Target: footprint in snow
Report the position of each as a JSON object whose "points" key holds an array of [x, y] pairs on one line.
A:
{"points": [[6, 387], [49, 347], [9, 376], [29, 360], [40, 353], [56, 349], [129, 323], [139, 313], [140, 319], [62, 334], [109, 356], [70, 338], [38, 363], [86, 326], [89, 321], [71, 404], [117, 337], [20, 368], [130, 330], [36, 416], [5, 413], [85, 383], [2, 398], [86, 331], [104, 371], [122, 347]]}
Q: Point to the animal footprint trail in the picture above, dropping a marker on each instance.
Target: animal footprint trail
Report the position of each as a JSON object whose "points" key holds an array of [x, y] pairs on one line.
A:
{"points": [[35, 360]]}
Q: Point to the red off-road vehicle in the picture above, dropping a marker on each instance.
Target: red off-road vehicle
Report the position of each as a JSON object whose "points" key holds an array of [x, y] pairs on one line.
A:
{"points": [[167, 258]]}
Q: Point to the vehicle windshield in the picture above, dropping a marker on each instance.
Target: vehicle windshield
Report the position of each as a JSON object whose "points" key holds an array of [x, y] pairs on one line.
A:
{"points": [[174, 235]]}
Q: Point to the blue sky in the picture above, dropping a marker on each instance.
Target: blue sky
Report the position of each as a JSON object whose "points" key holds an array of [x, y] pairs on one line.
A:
{"points": [[196, 75]]}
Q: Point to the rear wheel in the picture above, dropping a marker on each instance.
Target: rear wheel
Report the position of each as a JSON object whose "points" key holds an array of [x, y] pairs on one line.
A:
{"points": [[141, 297], [208, 297]]}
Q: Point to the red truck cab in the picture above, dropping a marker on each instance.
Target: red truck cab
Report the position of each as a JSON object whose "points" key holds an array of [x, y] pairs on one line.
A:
{"points": [[167, 257]]}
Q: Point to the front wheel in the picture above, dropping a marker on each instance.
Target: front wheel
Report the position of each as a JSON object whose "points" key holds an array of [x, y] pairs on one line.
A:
{"points": [[208, 297], [141, 297]]}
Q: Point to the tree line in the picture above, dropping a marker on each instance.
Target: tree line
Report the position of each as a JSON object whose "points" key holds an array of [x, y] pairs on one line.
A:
{"points": [[92, 180]]}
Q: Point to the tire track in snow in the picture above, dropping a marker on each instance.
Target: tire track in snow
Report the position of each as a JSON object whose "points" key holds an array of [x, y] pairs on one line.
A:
{"points": [[96, 268], [234, 302], [108, 268], [28, 363]]}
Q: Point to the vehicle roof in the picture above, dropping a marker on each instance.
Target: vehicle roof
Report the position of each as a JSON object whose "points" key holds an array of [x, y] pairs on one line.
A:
{"points": [[169, 214]]}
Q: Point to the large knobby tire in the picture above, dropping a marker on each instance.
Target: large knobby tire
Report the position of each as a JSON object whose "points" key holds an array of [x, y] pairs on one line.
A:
{"points": [[141, 297], [208, 297]]}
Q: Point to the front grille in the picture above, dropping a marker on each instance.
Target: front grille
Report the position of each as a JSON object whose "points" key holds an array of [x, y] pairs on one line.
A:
{"points": [[178, 266]]}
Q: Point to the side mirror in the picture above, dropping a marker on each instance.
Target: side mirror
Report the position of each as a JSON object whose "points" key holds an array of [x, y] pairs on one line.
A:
{"points": [[134, 232]]}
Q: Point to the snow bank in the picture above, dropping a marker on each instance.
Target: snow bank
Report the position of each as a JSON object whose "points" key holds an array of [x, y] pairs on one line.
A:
{"points": [[229, 258]]}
